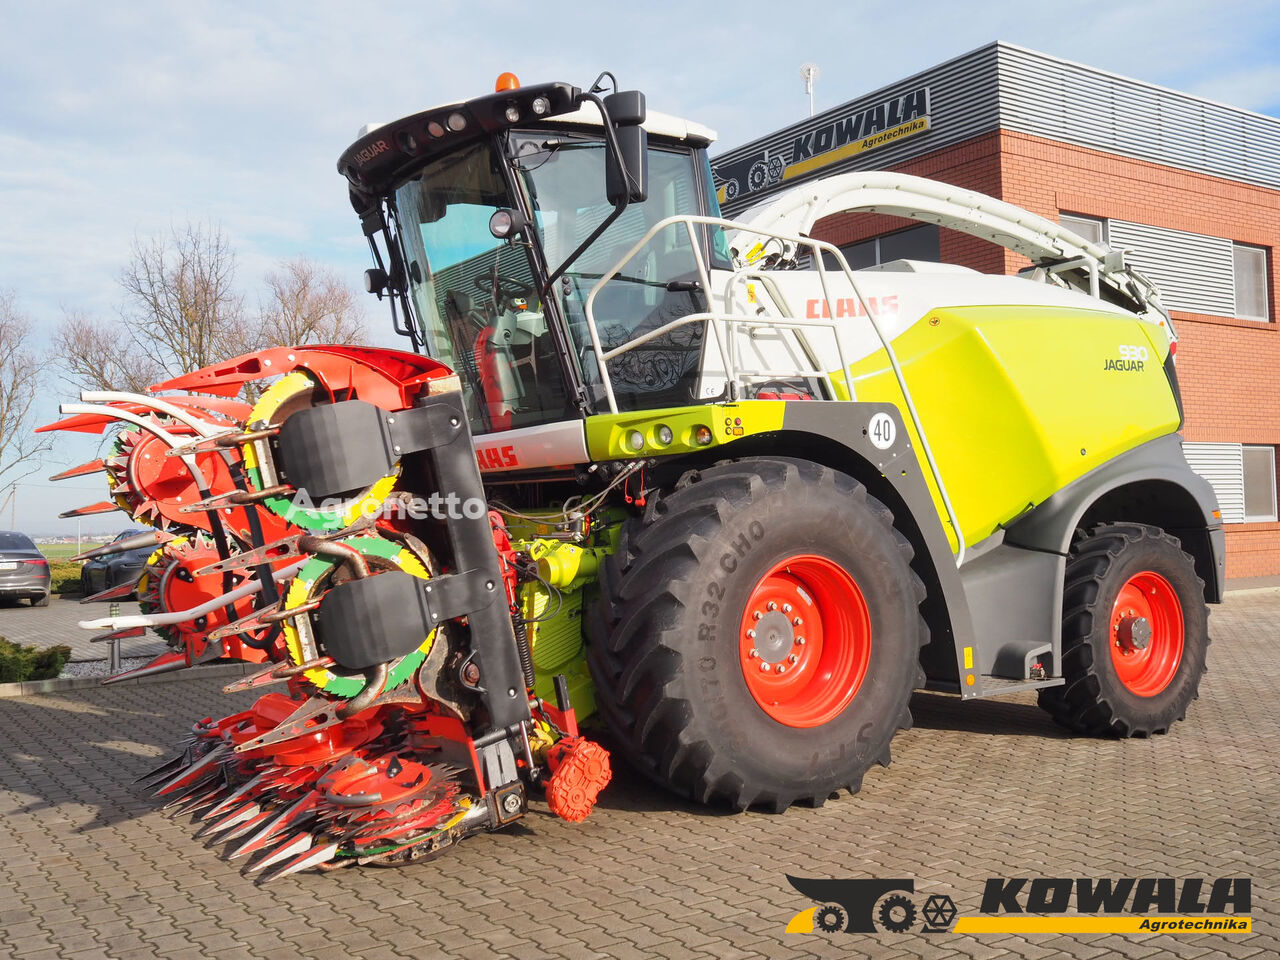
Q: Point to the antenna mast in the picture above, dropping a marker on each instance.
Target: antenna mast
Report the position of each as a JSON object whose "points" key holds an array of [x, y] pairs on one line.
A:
{"points": [[810, 73]]}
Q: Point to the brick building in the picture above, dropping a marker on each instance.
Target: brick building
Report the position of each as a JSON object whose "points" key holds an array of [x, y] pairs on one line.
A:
{"points": [[1190, 187]]}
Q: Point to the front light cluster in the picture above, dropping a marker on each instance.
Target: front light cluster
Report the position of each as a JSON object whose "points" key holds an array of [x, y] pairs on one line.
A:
{"points": [[662, 435]]}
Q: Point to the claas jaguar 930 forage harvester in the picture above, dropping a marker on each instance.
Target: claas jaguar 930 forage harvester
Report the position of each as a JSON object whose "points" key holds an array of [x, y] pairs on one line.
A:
{"points": [[691, 481]]}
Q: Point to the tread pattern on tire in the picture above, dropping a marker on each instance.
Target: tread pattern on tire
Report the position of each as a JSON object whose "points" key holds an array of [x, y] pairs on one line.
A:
{"points": [[629, 625], [1082, 704]]}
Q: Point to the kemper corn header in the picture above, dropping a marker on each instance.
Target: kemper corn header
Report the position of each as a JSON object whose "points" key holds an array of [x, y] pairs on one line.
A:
{"points": [[695, 480]]}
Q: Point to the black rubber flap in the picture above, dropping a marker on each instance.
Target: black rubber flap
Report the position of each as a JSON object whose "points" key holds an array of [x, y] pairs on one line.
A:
{"points": [[361, 623], [335, 449]]}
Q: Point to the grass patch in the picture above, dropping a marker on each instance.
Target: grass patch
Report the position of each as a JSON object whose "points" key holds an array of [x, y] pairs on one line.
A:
{"points": [[60, 551], [18, 662]]}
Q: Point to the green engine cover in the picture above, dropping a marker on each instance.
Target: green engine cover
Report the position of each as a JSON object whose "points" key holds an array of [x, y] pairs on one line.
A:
{"points": [[1018, 401]]}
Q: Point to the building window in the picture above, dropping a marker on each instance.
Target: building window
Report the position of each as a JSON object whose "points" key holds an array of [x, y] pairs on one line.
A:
{"points": [[1259, 484], [1091, 228], [914, 243], [1250, 265], [1243, 478]]}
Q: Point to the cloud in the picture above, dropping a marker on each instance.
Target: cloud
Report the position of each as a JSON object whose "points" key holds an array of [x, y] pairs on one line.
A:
{"points": [[122, 119]]}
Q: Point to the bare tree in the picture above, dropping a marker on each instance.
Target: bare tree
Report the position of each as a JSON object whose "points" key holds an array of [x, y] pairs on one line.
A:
{"points": [[21, 372], [307, 303], [181, 311], [97, 356]]}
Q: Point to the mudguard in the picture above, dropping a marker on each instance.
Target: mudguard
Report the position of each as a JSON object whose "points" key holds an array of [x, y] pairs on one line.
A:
{"points": [[1195, 518]]}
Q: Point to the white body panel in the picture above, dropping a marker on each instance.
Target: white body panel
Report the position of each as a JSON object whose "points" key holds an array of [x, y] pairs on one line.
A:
{"points": [[548, 445], [900, 298]]}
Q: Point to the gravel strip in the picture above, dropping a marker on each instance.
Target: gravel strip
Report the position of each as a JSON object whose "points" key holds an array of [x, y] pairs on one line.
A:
{"points": [[98, 668]]}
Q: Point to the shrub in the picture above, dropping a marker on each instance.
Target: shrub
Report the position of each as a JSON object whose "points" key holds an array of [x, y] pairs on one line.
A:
{"points": [[19, 662], [64, 576]]}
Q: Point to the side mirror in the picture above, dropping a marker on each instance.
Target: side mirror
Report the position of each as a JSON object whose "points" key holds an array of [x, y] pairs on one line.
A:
{"points": [[626, 111]]}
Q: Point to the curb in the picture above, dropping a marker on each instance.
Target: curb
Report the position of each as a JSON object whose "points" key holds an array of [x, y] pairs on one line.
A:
{"points": [[31, 688]]}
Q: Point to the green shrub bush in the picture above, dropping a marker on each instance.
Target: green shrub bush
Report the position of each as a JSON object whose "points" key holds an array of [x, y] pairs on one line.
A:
{"points": [[64, 576], [18, 663]]}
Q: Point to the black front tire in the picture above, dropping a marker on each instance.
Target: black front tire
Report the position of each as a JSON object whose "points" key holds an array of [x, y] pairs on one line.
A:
{"points": [[664, 635], [1094, 700]]}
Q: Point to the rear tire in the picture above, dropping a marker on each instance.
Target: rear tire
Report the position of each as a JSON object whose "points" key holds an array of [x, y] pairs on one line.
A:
{"points": [[671, 657], [1135, 631]]}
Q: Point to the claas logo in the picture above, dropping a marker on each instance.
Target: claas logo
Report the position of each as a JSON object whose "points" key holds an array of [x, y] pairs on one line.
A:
{"points": [[495, 458]]}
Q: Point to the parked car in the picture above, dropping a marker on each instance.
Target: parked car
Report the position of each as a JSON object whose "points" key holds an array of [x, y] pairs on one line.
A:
{"points": [[103, 573], [24, 572]]}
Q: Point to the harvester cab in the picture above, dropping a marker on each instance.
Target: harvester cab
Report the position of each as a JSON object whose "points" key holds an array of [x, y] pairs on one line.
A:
{"points": [[498, 217], [696, 481]]}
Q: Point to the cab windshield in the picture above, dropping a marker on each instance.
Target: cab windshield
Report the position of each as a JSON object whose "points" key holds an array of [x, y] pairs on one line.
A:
{"points": [[564, 175], [475, 296], [477, 301]]}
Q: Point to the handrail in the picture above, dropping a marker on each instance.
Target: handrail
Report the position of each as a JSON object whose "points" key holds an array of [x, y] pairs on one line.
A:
{"points": [[727, 324]]}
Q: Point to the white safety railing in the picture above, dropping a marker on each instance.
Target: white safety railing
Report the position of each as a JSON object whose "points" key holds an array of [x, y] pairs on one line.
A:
{"points": [[727, 326]]}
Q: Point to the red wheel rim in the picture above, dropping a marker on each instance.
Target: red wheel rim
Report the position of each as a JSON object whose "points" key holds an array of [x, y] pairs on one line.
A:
{"points": [[805, 641], [1147, 634]]}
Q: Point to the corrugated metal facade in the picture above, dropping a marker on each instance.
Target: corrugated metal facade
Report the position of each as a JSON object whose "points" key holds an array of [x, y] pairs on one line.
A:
{"points": [[963, 103], [1010, 87], [1194, 272], [1061, 100], [1222, 464]]}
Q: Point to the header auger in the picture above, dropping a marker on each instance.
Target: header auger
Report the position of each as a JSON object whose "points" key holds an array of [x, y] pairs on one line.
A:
{"points": [[698, 481]]}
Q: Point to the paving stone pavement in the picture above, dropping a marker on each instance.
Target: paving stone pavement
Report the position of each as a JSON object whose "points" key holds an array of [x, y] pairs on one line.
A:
{"points": [[56, 624], [976, 790]]}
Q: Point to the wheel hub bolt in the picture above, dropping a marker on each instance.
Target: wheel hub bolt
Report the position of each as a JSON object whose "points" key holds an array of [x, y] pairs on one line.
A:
{"points": [[756, 615], [794, 658], [799, 641], [786, 608], [1133, 633], [764, 668], [781, 668], [751, 634], [772, 605], [797, 622], [753, 653]]}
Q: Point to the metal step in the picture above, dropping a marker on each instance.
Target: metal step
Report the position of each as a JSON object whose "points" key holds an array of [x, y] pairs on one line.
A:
{"points": [[991, 686]]}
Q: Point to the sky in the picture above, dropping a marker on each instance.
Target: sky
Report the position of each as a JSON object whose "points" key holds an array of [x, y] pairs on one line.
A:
{"points": [[120, 120]]}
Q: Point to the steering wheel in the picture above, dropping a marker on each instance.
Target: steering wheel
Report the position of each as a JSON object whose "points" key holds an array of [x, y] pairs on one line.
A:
{"points": [[509, 288]]}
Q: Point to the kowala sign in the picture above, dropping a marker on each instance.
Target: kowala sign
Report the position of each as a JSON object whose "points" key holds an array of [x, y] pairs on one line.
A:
{"points": [[1022, 905], [830, 142]]}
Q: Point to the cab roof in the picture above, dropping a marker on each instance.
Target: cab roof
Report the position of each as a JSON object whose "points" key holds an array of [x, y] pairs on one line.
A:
{"points": [[386, 153]]}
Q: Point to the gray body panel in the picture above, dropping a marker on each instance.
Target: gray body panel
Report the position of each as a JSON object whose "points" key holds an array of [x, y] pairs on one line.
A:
{"points": [[1015, 599]]}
